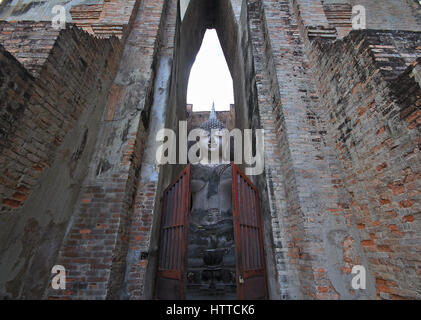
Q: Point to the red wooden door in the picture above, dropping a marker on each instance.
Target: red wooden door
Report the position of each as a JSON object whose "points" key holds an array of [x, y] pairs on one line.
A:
{"points": [[171, 278], [249, 251]]}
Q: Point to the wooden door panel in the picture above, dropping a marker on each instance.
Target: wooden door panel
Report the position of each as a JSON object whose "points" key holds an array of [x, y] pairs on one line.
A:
{"points": [[251, 268], [254, 289], [170, 283]]}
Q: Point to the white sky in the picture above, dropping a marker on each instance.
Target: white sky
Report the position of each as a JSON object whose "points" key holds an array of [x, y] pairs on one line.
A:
{"points": [[210, 79]]}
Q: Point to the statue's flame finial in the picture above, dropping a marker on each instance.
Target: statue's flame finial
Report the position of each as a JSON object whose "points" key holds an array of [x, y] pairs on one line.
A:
{"points": [[213, 121], [213, 112]]}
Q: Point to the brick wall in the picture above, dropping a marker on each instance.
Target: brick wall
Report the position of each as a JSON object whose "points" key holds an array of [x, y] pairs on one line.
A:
{"points": [[312, 20], [394, 51], [112, 17], [145, 226], [54, 102], [373, 109], [15, 84], [302, 174], [37, 116], [316, 237], [329, 19], [339, 16], [270, 118], [29, 42], [308, 183]]}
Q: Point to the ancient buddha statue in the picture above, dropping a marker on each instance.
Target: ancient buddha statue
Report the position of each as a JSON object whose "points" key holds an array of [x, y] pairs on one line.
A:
{"points": [[211, 256]]}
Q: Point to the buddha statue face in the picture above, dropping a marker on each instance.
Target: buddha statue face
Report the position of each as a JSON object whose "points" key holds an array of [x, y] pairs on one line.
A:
{"points": [[213, 146], [214, 141]]}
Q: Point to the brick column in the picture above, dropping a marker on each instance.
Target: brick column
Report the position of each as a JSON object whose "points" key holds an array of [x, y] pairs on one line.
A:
{"points": [[312, 204], [95, 248]]}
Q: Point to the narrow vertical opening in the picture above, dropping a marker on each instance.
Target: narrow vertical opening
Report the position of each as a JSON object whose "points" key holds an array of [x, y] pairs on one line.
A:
{"points": [[210, 82], [210, 79]]}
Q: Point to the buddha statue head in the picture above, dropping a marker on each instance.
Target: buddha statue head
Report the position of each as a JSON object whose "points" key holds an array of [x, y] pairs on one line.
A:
{"points": [[212, 145]]}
